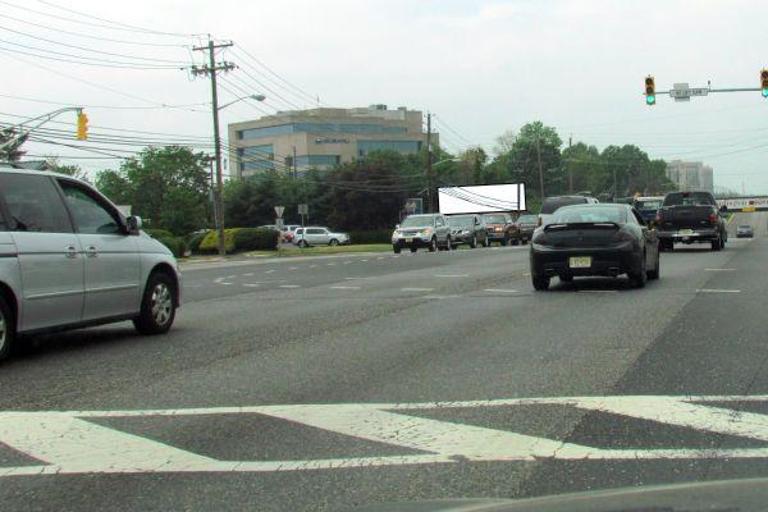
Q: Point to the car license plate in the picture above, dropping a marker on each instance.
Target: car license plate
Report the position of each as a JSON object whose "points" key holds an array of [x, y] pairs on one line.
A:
{"points": [[408, 240], [686, 231], [580, 262]]}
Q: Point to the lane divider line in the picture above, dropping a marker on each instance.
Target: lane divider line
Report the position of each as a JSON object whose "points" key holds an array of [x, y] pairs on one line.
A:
{"points": [[290, 286], [499, 290], [344, 287], [714, 290], [416, 289]]}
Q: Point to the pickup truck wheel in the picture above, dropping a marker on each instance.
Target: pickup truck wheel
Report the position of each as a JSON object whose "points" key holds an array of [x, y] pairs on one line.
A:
{"points": [[540, 283], [717, 244], [505, 241], [413, 249], [7, 329], [396, 249], [473, 242]]}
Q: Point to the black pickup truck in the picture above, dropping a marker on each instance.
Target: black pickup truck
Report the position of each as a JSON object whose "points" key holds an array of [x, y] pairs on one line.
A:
{"points": [[690, 217]]}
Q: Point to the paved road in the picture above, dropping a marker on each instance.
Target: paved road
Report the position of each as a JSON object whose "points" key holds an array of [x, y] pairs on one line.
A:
{"points": [[327, 384]]}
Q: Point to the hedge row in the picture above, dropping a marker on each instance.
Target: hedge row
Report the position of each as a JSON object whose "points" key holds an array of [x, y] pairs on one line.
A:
{"points": [[379, 236], [240, 239]]}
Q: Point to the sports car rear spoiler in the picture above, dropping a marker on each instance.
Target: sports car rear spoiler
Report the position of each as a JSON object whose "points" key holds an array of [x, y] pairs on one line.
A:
{"points": [[564, 226]]}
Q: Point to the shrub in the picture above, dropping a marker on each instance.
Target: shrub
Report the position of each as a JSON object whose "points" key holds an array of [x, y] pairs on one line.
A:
{"points": [[193, 242], [175, 244], [210, 242], [379, 236], [255, 239]]}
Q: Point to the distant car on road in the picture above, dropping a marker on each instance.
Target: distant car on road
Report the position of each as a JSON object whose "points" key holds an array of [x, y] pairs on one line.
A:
{"points": [[594, 240], [648, 207], [551, 204], [690, 217], [70, 259], [501, 228], [526, 225], [745, 231], [468, 229], [427, 230], [319, 235]]}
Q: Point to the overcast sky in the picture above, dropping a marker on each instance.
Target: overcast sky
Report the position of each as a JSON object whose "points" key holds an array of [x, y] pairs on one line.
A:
{"points": [[483, 67]]}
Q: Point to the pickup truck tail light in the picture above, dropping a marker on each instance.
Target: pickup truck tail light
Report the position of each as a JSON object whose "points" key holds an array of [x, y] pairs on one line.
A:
{"points": [[713, 218]]}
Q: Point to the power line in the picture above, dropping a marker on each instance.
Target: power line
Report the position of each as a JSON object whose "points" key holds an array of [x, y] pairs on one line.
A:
{"points": [[107, 107], [93, 84], [243, 92], [85, 48], [270, 90], [84, 60], [445, 125], [113, 25], [89, 36], [276, 75]]}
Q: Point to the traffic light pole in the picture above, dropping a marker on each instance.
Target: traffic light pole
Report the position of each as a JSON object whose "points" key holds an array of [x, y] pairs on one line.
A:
{"points": [[43, 119]]}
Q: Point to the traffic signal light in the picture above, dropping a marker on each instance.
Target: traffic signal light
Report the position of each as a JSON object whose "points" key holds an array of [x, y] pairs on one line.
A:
{"points": [[764, 82], [82, 126], [650, 91]]}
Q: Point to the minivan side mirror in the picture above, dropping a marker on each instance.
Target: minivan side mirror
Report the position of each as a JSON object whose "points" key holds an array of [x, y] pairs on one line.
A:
{"points": [[133, 224]]}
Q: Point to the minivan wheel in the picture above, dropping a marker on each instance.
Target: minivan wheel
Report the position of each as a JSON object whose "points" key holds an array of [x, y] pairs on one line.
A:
{"points": [[7, 329], [433, 245], [158, 307], [473, 242]]}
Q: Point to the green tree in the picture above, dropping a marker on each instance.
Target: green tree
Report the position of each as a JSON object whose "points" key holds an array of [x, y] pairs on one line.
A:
{"points": [[55, 165], [168, 186], [583, 169], [12, 152]]}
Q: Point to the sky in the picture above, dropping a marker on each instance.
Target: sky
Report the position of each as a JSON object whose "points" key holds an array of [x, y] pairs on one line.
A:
{"points": [[482, 67]]}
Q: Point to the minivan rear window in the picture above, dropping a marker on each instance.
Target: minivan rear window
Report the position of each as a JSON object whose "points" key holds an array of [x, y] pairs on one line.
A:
{"points": [[553, 203]]}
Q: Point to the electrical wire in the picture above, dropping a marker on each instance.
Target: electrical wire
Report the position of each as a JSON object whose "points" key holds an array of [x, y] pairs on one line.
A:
{"points": [[243, 92], [84, 48], [106, 107], [299, 90], [89, 36]]}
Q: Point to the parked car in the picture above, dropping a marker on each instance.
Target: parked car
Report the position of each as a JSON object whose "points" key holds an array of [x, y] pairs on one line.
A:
{"points": [[526, 225], [468, 229], [648, 207], [594, 240], [501, 229], [744, 231], [319, 235], [69, 259], [425, 230], [691, 217], [551, 204]]}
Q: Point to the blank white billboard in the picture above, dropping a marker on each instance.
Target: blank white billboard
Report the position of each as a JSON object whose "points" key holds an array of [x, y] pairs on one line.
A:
{"points": [[481, 198]]}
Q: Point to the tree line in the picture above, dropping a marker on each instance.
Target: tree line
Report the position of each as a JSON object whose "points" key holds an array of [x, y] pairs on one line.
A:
{"points": [[170, 186]]}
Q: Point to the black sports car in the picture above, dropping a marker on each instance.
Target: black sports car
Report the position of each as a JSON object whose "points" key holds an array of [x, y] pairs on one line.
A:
{"points": [[594, 240]]}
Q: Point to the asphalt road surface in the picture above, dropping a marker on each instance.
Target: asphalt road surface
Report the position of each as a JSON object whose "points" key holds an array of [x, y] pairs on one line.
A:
{"points": [[333, 383]]}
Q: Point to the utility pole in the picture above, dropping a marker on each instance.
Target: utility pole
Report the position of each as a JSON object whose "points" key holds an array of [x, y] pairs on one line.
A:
{"points": [[295, 170], [541, 170], [570, 168], [210, 70], [430, 192]]}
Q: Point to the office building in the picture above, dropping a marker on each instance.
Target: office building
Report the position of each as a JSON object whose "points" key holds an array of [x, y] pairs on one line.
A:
{"points": [[322, 138], [690, 175]]}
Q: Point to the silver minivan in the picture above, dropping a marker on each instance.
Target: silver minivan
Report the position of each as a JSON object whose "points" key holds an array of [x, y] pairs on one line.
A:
{"points": [[70, 259]]}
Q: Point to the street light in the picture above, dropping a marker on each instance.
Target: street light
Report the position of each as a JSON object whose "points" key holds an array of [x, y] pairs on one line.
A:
{"points": [[219, 207]]}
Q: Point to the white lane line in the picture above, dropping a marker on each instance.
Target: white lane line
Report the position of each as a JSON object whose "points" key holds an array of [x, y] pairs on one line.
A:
{"points": [[395, 256], [363, 261], [441, 297], [356, 278], [269, 271], [248, 274], [719, 269], [251, 285], [714, 290], [380, 258], [290, 286], [416, 289], [331, 264], [231, 277], [499, 290], [313, 266], [348, 262], [294, 268], [344, 287], [526, 274], [596, 291], [451, 276]]}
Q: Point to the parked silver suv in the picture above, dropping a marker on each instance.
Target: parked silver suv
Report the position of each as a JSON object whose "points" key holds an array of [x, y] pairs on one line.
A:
{"points": [[69, 259], [318, 235]]}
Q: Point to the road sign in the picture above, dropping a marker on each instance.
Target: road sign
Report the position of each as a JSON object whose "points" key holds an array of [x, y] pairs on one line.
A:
{"points": [[279, 211], [414, 205], [303, 209], [279, 224], [681, 92]]}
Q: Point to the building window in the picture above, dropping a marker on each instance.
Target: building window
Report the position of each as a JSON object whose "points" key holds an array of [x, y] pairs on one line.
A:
{"points": [[256, 157], [319, 128], [401, 146]]}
